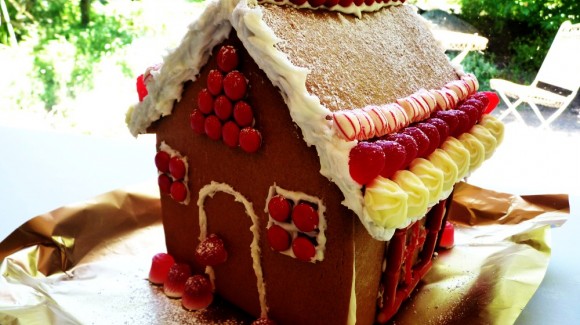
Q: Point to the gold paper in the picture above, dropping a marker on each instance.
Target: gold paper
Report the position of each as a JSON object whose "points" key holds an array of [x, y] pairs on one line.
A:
{"points": [[88, 263]]}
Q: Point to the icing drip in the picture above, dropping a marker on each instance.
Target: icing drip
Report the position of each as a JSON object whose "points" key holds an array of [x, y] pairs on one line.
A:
{"points": [[209, 191]]}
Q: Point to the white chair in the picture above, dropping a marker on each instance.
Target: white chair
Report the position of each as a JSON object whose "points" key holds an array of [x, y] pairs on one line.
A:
{"points": [[461, 42], [555, 85]]}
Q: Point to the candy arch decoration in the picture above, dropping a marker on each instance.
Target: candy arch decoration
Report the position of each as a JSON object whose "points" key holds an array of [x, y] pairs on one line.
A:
{"points": [[210, 190]]}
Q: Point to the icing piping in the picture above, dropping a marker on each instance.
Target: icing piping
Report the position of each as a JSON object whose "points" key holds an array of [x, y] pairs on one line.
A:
{"points": [[210, 190]]}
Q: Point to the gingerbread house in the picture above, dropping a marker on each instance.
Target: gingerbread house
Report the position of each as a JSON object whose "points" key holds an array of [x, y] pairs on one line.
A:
{"points": [[319, 141]]}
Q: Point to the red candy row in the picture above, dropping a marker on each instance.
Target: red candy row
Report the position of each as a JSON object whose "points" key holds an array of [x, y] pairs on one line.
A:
{"points": [[395, 151], [172, 171]]}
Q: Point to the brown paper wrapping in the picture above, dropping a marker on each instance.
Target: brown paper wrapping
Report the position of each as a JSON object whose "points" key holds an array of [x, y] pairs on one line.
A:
{"points": [[87, 263]]}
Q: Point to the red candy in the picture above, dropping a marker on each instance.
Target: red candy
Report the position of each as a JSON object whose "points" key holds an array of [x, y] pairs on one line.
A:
{"points": [[395, 157], [211, 251], [366, 161], [197, 294], [279, 208], [223, 108], [141, 88], [176, 278], [213, 127], [278, 238], [316, 3], [463, 125], [305, 217], [227, 58], [205, 101], [160, 265], [421, 138], [451, 120], [331, 3], [448, 236], [411, 147], [243, 114], [231, 134], [177, 167], [493, 101], [164, 183], [298, 2], [472, 112], [263, 321], [215, 81], [197, 121], [433, 134], [345, 3], [178, 191], [235, 85], [441, 126], [250, 139], [162, 161], [303, 249]]}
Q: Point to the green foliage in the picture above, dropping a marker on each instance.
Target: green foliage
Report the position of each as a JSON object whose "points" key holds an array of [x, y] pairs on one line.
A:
{"points": [[520, 32]]}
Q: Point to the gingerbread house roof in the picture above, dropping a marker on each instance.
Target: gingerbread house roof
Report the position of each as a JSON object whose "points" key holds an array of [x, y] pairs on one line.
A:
{"points": [[334, 70]]}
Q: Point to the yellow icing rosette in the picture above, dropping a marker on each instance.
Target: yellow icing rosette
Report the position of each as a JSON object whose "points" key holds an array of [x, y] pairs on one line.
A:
{"points": [[476, 150], [431, 176], [386, 203], [494, 126], [460, 155], [418, 200], [445, 163], [486, 138]]}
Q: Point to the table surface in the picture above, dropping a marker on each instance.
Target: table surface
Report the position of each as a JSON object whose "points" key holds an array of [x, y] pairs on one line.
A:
{"points": [[43, 170]]}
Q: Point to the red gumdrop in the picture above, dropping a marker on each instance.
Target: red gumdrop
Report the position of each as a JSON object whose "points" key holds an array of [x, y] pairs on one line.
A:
{"points": [[448, 236], [331, 3], [366, 161], [215, 80], [141, 88], [472, 112], [178, 191], [227, 58], [298, 2], [174, 285], [395, 157], [197, 121], [164, 183], [483, 99], [160, 265], [205, 101], [463, 124], [411, 147], [345, 3], [279, 208], [231, 134], [433, 134], [223, 107], [305, 217], [358, 2], [197, 293], [449, 118], [316, 3], [477, 103], [211, 251], [421, 138], [250, 139], [162, 161], [369, 2], [303, 248], [441, 126], [213, 127], [177, 167], [243, 114], [493, 101], [235, 85], [278, 238]]}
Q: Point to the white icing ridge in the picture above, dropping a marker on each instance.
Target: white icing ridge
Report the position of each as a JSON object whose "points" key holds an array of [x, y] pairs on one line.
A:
{"points": [[210, 190], [174, 153], [352, 9], [296, 197]]}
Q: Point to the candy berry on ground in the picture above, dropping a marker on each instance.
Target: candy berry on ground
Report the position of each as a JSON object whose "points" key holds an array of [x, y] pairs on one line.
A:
{"points": [[448, 236], [411, 147], [441, 126], [162, 161], [215, 81], [160, 265], [264, 321], [279, 208], [235, 85], [197, 121], [197, 294], [395, 157], [223, 107], [421, 139], [177, 167], [178, 191], [433, 134], [211, 251], [278, 238], [213, 127], [243, 114], [205, 101], [231, 134], [227, 58], [176, 278], [164, 183], [250, 139], [141, 89], [366, 161], [305, 217], [303, 249]]}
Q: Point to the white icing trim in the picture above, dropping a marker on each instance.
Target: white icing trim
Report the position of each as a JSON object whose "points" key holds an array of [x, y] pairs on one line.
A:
{"points": [[352, 9], [210, 190]]}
